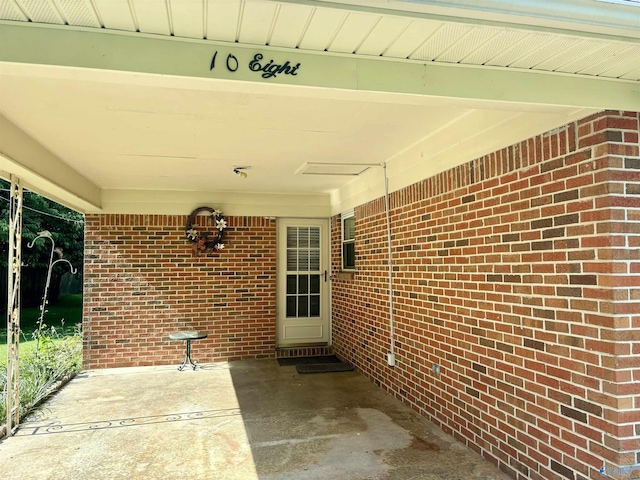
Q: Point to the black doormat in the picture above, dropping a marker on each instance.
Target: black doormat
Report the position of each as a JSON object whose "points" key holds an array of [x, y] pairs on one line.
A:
{"points": [[286, 362], [324, 367]]}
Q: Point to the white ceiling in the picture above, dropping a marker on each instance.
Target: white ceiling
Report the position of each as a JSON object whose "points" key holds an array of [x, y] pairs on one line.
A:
{"points": [[126, 131], [122, 136]]}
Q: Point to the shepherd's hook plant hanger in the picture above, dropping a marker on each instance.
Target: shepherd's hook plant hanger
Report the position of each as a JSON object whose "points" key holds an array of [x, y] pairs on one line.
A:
{"points": [[52, 262]]}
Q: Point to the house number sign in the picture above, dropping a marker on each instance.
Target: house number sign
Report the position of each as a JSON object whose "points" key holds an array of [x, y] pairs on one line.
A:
{"points": [[266, 69]]}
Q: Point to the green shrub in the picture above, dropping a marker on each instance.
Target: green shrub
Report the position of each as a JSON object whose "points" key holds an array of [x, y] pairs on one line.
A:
{"points": [[55, 359]]}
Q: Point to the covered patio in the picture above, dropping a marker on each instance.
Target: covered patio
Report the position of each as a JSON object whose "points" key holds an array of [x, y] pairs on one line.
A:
{"points": [[445, 194], [245, 420]]}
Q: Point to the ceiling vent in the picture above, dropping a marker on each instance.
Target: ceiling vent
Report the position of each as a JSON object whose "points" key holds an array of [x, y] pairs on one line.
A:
{"points": [[347, 169]]}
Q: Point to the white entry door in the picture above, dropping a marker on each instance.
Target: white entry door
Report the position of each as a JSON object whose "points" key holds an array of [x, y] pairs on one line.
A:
{"points": [[303, 282]]}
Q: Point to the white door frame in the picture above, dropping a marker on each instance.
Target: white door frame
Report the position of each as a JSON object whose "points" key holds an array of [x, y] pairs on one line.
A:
{"points": [[324, 322]]}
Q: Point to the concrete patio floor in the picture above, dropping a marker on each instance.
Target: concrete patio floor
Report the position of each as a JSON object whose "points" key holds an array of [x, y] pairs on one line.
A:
{"points": [[241, 420]]}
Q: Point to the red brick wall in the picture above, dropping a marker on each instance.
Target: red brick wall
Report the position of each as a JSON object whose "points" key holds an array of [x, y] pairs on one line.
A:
{"points": [[519, 274], [142, 283]]}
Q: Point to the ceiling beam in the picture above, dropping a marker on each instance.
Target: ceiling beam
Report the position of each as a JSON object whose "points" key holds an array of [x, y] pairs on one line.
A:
{"points": [[42, 171], [164, 202], [259, 65]]}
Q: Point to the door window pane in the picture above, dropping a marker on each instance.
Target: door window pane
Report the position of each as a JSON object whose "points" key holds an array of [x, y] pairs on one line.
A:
{"points": [[303, 237], [314, 237], [314, 260], [291, 306], [292, 237], [303, 284], [303, 257], [303, 306], [314, 284], [303, 260], [292, 261], [314, 306], [291, 285]]}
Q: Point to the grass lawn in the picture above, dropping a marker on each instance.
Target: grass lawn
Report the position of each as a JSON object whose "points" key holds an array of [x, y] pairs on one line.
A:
{"points": [[64, 316]]}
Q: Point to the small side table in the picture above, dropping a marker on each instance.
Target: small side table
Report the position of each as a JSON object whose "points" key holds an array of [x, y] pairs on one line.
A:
{"points": [[187, 337]]}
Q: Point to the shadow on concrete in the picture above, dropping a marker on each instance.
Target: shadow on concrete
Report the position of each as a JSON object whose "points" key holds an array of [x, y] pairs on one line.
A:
{"points": [[341, 426], [248, 420]]}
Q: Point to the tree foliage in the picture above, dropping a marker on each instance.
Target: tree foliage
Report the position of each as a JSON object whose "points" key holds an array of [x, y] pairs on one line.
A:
{"points": [[38, 214]]}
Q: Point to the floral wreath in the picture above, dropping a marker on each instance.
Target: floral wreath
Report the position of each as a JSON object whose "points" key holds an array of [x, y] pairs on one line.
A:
{"points": [[203, 241]]}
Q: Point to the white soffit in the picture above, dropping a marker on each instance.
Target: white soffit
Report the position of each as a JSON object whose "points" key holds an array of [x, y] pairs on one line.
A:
{"points": [[526, 35]]}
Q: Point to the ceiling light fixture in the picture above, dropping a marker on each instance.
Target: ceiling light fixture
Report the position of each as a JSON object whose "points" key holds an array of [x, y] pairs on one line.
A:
{"points": [[240, 171]]}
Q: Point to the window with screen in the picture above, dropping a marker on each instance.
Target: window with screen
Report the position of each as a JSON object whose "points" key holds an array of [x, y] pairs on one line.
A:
{"points": [[348, 241]]}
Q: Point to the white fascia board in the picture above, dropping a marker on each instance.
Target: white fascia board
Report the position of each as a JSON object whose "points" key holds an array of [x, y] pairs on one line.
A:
{"points": [[583, 17], [160, 55], [42, 171]]}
